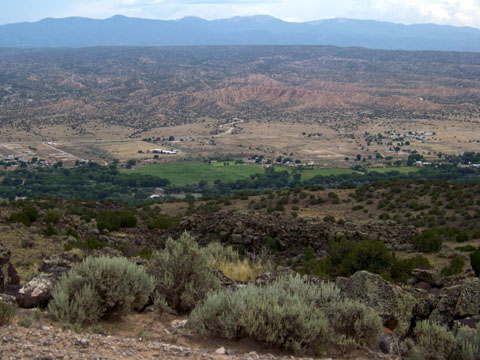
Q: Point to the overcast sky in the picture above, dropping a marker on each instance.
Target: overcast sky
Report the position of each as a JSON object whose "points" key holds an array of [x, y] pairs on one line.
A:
{"points": [[452, 12]]}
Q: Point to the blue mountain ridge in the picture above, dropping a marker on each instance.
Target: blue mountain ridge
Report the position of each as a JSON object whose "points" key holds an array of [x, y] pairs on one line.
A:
{"points": [[119, 30]]}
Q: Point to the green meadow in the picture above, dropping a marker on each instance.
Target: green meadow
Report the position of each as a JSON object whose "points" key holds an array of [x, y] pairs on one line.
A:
{"points": [[192, 172], [400, 169], [184, 173]]}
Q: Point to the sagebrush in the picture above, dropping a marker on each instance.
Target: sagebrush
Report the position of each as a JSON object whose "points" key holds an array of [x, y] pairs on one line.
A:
{"points": [[98, 288], [7, 312], [290, 313], [182, 273], [436, 342]]}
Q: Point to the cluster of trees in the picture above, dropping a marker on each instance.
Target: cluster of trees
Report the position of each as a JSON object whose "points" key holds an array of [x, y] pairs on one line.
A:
{"points": [[91, 182], [95, 182], [465, 158]]}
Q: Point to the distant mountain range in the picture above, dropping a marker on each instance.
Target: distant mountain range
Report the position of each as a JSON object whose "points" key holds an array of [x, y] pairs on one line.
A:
{"points": [[252, 30]]}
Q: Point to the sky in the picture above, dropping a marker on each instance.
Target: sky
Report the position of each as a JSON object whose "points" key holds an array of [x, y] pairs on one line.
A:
{"points": [[449, 12]]}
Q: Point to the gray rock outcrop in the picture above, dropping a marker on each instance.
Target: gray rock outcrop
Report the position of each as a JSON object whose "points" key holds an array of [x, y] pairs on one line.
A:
{"points": [[395, 305], [8, 274], [37, 292]]}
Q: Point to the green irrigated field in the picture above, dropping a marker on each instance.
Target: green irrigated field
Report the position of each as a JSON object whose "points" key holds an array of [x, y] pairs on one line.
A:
{"points": [[308, 174], [192, 172], [184, 173], [401, 169]]}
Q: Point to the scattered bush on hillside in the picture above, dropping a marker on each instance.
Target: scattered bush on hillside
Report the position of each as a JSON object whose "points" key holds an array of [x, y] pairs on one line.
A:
{"points": [[347, 257], [475, 261], [437, 342], [401, 270], [290, 313], [89, 244], [370, 255], [462, 237], [115, 220], [73, 233], [7, 312], [100, 287], [466, 248], [338, 250], [329, 218], [52, 217], [384, 216], [26, 216], [428, 241], [322, 267], [50, 230], [455, 267], [163, 222], [182, 272], [450, 233]]}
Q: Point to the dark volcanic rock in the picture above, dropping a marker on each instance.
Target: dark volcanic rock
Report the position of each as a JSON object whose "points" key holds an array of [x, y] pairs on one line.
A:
{"points": [[286, 235], [37, 292], [395, 305], [8, 274]]}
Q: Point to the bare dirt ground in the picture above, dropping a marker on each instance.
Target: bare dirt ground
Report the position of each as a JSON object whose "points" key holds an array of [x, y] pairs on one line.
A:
{"points": [[136, 336], [320, 144]]}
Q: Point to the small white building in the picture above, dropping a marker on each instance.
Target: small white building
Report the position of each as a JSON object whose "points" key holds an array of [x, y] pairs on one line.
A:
{"points": [[168, 152]]}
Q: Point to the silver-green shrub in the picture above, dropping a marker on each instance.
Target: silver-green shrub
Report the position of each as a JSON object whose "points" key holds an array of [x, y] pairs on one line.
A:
{"points": [[283, 314], [222, 312], [433, 342], [7, 312], [182, 273], [290, 313], [98, 288], [356, 324], [468, 341]]}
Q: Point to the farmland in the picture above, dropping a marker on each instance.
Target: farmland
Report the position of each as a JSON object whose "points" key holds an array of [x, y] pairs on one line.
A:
{"points": [[183, 173], [193, 172]]}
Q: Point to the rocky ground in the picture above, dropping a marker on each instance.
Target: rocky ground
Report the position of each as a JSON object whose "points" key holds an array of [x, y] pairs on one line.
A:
{"points": [[138, 336]]}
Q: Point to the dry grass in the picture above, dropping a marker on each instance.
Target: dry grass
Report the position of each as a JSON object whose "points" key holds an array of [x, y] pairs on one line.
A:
{"points": [[27, 259], [269, 139], [242, 270]]}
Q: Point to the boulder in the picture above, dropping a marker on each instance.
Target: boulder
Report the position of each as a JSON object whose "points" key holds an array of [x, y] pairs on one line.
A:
{"points": [[37, 292], [391, 302], [458, 302], [468, 303], [444, 309], [57, 265], [431, 277], [387, 344], [8, 274], [291, 235], [427, 299], [471, 322]]}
